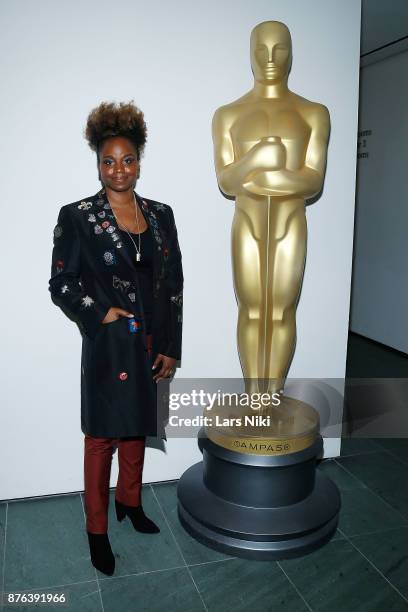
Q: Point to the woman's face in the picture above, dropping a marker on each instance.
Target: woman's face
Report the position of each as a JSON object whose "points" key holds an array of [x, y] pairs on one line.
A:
{"points": [[118, 163]]}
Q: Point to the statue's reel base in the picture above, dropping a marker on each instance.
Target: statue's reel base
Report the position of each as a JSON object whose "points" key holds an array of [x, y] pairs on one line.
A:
{"points": [[258, 507], [290, 428], [257, 445]]}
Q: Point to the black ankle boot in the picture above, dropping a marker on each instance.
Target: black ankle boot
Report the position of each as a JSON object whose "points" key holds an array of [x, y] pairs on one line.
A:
{"points": [[139, 520], [101, 553]]}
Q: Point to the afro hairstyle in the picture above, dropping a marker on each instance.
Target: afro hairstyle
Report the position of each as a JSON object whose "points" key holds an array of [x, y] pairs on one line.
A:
{"points": [[110, 119]]}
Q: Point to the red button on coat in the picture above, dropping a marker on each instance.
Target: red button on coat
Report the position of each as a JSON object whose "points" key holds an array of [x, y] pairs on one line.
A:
{"points": [[123, 375]]}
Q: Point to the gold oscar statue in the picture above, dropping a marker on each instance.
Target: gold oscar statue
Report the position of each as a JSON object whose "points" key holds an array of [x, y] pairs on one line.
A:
{"points": [[258, 493], [270, 149]]}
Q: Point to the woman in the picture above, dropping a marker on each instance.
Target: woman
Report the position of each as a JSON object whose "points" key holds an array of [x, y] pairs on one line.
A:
{"points": [[117, 272]]}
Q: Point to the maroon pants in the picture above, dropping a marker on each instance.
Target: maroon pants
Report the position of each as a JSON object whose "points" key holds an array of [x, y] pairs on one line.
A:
{"points": [[97, 468]]}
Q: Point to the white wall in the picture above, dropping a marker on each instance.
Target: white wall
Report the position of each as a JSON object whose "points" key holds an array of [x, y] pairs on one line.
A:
{"points": [[380, 290], [179, 61]]}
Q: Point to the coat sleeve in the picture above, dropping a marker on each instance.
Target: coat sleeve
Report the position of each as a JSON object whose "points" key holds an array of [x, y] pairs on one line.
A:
{"points": [[175, 283], [65, 284]]}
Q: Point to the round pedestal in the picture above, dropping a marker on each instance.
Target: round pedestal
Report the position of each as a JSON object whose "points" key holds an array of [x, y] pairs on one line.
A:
{"points": [[273, 430], [258, 507]]}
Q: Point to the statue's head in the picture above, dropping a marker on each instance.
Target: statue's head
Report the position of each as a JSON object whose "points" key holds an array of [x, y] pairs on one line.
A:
{"points": [[271, 52]]}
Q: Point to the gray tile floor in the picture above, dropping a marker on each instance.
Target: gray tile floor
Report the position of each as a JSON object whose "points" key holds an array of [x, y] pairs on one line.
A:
{"points": [[364, 568]]}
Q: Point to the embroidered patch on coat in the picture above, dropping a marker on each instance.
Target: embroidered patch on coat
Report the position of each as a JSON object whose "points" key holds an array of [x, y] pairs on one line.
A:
{"points": [[87, 301], [177, 299], [85, 205], [133, 325], [57, 231], [109, 258], [157, 235], [160, 206], [119, 283]]}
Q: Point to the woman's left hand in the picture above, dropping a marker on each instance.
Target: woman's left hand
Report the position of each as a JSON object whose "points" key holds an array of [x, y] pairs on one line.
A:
{"points": [[167, 367]]}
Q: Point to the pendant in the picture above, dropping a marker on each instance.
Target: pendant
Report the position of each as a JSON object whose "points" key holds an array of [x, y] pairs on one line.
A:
{"points": [[138, 256]]}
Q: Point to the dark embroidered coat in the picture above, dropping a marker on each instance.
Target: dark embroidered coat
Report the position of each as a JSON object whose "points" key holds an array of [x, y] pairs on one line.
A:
{"points": [[91, 271]]}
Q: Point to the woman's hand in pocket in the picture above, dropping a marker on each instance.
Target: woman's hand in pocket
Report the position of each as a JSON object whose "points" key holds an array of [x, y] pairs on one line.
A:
{"points": [[114, 313]]}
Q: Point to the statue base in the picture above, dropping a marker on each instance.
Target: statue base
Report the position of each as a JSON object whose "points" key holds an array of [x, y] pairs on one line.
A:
{"points": [[275, 430], [263, 507]]}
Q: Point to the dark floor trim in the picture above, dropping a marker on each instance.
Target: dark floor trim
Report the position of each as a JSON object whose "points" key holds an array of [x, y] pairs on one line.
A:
{"points": [[81, 492], [379, 344]]}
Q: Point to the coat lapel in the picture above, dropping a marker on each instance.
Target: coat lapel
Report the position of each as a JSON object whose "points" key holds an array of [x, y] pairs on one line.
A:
{"points": [[156, 231]]}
